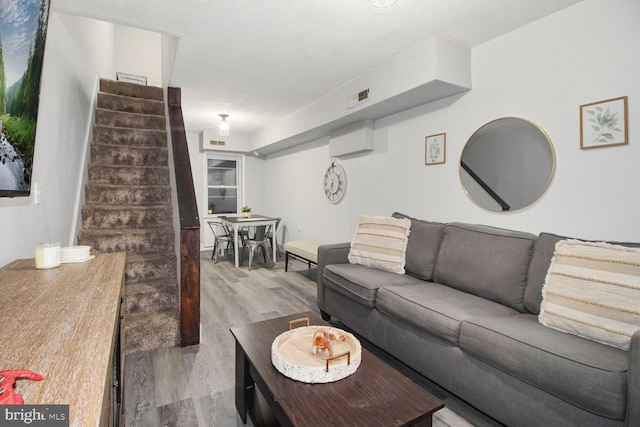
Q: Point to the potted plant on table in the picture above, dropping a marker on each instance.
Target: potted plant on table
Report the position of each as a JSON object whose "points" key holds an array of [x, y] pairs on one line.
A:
{"points": [[246, 210]]}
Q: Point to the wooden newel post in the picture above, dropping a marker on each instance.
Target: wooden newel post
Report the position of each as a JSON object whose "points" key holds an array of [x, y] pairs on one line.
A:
{"points": [[189, 225]]}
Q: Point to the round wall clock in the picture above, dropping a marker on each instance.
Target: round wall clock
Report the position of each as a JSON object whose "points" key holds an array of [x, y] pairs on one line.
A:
{"points": [[335, 182]]}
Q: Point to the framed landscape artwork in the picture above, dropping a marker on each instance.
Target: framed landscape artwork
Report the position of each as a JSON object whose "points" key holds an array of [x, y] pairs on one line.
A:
{"points": [[23, 29], [435, 149], [603, 123]]}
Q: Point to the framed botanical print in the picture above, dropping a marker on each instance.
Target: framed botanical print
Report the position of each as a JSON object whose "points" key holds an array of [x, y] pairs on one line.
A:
{"points": [[435, 149], [603, 123]]}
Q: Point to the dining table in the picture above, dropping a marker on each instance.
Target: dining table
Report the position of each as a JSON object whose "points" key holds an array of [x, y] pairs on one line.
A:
{"points": [[236, 222]]}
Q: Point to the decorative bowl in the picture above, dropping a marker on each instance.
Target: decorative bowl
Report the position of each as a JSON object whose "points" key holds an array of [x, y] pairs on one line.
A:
{"points": [[292, 354]]}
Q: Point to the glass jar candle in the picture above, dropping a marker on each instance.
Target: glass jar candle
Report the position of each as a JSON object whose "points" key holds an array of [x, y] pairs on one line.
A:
{"points": [[48, 255]]}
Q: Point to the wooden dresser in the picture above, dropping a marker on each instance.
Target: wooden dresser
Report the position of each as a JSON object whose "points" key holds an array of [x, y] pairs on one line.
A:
{"points": [[65, 323]]}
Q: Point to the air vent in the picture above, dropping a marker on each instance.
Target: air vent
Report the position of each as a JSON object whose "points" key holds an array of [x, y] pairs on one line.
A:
{"points": [[214, 143], [358, 98]]}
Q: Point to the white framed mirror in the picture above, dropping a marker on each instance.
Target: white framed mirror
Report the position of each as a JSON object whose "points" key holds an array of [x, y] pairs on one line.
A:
{"points": [[507, 164]]}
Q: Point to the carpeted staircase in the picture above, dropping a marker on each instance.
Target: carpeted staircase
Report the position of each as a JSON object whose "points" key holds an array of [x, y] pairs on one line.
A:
{"points": [[128, 208]]}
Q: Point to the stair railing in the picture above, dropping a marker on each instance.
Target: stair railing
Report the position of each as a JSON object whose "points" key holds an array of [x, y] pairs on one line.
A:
{"points": [[504, 205], [189, 225]]}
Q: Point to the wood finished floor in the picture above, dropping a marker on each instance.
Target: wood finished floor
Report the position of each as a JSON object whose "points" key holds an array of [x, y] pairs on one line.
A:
{"points": [[194, 386]]}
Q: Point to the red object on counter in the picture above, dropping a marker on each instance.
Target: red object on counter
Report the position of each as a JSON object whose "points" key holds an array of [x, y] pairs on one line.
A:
{"points": [[8, 379]]}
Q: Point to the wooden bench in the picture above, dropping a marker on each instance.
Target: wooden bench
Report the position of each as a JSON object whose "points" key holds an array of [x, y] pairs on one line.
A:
{"points": [[303, 250]]}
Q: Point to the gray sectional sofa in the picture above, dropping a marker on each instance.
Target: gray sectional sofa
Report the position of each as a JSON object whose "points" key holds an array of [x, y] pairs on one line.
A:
{"points": [[465, 316]]}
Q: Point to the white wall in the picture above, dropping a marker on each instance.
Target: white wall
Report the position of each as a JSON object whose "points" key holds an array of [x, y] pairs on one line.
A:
{"points": [[138, 52], [77, 50], [254, 188], [542, 72]]}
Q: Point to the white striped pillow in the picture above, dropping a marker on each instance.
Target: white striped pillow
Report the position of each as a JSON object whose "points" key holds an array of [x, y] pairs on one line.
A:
{"points": [[593, 290], [380, 242]]}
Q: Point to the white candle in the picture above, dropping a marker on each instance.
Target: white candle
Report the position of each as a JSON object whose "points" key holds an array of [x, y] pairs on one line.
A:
{"points": [[48, 255]]}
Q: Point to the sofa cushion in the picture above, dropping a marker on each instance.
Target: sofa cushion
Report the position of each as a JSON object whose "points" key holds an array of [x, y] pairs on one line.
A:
{"points": [[435, 308], [380, 242], [424, 243], [540, 261], [593, 290], [485, 261], [361, 283], [585, 373]]}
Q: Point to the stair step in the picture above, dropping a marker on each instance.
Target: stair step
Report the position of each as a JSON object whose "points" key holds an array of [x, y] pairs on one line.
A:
{"points": [[151, 266], [131, 89], [128, 136], [128, 240], [145, 332], [106, 154], [122, 217], [110, 101], [136, 195], [147, 297], [129, 120], [128, 208], [128, 175]]}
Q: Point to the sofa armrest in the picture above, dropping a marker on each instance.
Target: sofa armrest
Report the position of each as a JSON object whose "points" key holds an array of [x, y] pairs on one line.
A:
{"points": [[337, 253], [633, 391]]}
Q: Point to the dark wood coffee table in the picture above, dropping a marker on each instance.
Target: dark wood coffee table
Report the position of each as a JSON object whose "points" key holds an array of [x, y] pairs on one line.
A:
{"points": [[376, 395]]}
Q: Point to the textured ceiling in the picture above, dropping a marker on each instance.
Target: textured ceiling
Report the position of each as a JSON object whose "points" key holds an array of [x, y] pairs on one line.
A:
{"points": [[258, 60]]}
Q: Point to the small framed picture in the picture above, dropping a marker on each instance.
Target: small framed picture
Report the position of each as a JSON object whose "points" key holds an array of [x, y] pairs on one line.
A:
{"points": [[435, 149], [603, 123]]}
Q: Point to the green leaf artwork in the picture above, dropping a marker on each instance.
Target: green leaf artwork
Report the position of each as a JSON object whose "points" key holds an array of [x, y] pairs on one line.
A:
{"points": [[605, 122], [434, 151]]}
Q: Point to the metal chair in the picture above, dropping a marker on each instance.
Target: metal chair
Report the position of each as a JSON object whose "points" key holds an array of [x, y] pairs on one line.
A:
{"points": [[273, 234], [223, 239], [260, 239]]}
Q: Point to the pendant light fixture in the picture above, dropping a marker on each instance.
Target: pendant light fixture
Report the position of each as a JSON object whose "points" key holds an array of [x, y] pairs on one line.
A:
{"points": [[382, 3], [224, 125]]}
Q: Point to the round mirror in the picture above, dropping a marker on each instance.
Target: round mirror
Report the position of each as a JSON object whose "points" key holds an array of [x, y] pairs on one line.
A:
{"points": [[507, 164]]}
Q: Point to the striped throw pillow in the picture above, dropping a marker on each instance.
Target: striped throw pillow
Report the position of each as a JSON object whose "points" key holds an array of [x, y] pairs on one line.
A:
{"points": [[380, 242], [593, 290]]}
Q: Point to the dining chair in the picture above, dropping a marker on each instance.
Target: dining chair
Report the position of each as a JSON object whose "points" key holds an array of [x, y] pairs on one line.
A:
{"points": [[259, 239], [223, 239], [273, 234]]}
